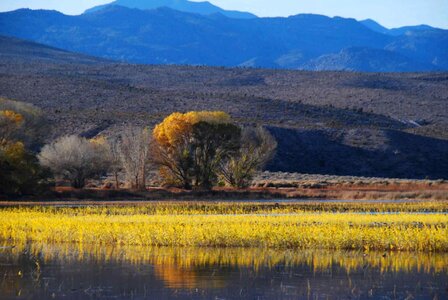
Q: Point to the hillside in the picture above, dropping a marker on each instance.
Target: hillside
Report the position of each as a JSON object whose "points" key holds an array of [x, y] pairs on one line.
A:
{"points": [[167, 36], [16, 49], [342, 123], [367, 59]]}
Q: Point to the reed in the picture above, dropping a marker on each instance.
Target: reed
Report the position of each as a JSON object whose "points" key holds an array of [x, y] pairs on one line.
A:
{"points": [[193, 226]]}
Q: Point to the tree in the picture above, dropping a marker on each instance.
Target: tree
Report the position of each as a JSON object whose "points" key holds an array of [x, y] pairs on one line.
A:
{"points": [[114, 158], [10, 124], [257, 147], [20, 172], [212, 143], [22, 128], [23, 122], [134, 150], [188, 147], [75, 158]]}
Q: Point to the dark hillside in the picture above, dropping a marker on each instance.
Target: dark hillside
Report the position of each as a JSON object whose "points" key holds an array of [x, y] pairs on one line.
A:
{"points": [[360, 152], [375, 124], [16, 49]]}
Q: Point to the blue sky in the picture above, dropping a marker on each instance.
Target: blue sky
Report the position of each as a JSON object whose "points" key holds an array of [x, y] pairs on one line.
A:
{"points": [[390, 13]]}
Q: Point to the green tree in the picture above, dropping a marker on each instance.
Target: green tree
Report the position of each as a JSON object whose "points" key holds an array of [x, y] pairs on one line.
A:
{"points": [[257, 147]]}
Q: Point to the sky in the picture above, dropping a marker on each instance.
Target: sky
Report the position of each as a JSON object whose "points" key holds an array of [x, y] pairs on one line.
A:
{"points": [[389, 13]]}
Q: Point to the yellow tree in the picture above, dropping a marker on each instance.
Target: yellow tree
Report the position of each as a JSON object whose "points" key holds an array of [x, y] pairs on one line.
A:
{"points": [[187, 146], [10, 122]]}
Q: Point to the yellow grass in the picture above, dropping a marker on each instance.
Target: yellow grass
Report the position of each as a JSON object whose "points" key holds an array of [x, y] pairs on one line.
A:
{"points": [[129, 226]]}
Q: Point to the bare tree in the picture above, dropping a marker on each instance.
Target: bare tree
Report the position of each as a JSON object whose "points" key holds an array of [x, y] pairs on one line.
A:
{"points": [[75, 158], [114, 158], [134, 149], [257, 148]]}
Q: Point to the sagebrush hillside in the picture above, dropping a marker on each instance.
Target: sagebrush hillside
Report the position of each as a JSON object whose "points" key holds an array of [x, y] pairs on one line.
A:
{"points": [[343, 123]]}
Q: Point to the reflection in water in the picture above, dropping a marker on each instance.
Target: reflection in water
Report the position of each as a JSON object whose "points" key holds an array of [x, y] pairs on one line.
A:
{"points": [[41, 271]]}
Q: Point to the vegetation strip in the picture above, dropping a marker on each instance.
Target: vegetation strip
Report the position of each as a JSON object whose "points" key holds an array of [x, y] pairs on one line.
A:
{"points": [[132, 226]]}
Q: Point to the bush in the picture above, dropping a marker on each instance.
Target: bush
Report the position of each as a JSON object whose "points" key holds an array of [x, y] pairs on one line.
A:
{"points": [[75, 159]]}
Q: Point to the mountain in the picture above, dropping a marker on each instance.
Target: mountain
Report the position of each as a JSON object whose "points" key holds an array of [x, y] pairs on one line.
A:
{"points": [[202, 8], [367, 59], [429, 46], [167, 36], [375, 26], [13, 49]]}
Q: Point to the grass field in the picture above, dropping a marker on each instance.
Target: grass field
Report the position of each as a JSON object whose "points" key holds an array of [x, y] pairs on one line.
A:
{"points": [[295, 226]]}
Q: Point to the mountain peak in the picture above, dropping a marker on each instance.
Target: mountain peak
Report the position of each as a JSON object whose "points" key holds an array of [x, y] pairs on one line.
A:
{"points": [[202, 8]]}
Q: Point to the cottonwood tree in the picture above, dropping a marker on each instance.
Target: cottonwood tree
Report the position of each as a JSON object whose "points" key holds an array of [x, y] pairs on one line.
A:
{"points": [[20, 173], [212, 143], [188, 147], [134, 151], [257, 147], [29, 125], [75, 159]]}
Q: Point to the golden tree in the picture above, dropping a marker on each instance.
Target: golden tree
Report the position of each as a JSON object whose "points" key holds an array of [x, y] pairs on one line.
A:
{"points": [[187, 146]]}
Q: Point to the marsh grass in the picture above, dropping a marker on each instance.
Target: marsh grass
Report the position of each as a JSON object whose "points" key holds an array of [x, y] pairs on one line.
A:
{"points": [[322, 226]]}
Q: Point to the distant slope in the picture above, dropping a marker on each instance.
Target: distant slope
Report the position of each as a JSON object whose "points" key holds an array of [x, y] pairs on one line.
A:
{"points": [[202, 8], [343, 123], [375, 26], [166, 36], [430, 46], [17, 49], [366, 59]]}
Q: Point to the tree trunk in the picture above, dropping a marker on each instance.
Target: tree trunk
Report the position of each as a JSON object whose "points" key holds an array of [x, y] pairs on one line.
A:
{"points": [[117, 183], [143, 179]]}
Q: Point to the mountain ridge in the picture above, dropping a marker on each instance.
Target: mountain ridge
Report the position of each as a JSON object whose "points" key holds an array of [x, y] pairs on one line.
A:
{"points": [[167, 36], [203, 8]]}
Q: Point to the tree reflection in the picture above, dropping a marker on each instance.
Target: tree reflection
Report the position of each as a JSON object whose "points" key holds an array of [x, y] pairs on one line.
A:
{"points": [[47, 269]]}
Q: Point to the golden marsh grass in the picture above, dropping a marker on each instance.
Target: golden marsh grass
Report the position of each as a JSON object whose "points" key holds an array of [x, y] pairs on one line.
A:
{"points": [[229, 225]]}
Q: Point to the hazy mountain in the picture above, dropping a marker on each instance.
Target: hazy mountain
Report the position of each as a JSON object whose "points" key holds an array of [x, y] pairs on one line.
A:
{"points": [[367, 59], [430, 46], [167, 36], [375, 26], [203, 8], [16, 49]]}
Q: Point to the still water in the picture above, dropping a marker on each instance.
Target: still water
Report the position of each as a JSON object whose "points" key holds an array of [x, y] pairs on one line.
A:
{"points": [[42, 271]]}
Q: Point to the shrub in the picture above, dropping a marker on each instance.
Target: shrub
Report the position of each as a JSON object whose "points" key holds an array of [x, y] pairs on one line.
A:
{"points": [[75, 158]]}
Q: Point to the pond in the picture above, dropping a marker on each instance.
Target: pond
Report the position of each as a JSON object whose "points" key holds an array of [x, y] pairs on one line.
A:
{"points": [[72, 271]]}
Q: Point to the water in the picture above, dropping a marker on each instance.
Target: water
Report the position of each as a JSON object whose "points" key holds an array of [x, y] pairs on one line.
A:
{"points": [[43, 271]]}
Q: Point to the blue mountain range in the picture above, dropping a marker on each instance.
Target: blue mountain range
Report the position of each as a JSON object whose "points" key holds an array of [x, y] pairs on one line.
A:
{"points": [[199, 33]]}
